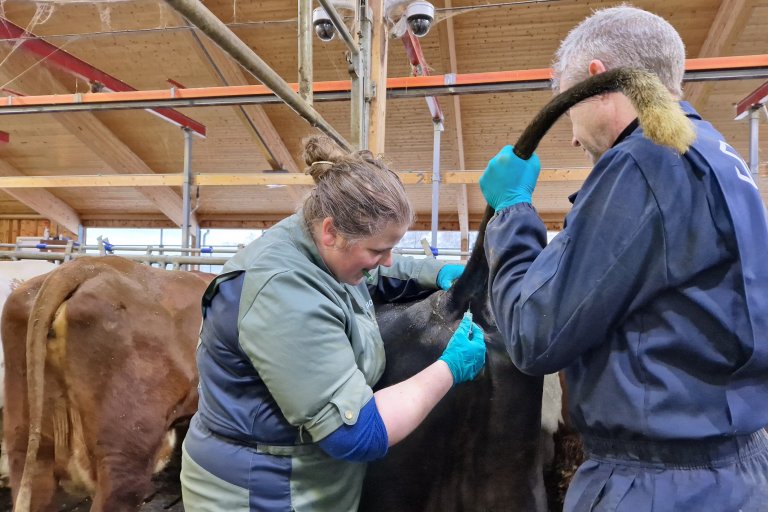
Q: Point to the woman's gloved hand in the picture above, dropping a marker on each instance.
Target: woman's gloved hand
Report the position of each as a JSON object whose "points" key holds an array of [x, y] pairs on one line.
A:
{"points": [[465, 353], [448, 274], [509, 179]]}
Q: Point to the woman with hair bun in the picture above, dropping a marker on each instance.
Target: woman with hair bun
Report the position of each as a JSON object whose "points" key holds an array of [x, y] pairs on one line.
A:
{"points": [[290, 349]]}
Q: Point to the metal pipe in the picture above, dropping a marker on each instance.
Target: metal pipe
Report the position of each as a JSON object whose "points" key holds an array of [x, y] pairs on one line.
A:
{"points": [[333, 14], [397, 88], [185, 189], [754, 145], [305, 50], [176, 261], [202, 18], [436, 180]]}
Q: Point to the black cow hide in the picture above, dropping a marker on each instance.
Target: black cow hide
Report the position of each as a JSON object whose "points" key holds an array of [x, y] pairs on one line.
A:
{"points": [[478, 449]]}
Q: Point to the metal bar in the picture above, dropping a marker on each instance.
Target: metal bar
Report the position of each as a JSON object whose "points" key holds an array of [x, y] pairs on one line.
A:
{"points": [[754, 145], [203, 19], [305, 50], [357, 76], [756, 98], [365, 24], [344, 33], [436, 180], [403, 87], [145, 258], [185, 189], [63, 60]]}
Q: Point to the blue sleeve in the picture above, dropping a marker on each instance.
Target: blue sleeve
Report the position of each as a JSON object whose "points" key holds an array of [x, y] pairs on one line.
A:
{"points": [[552, 304], [364, 441], [392, 289]]}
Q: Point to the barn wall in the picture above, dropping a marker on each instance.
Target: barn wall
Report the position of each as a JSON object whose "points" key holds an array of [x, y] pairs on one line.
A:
{"points": [[12, 228]]}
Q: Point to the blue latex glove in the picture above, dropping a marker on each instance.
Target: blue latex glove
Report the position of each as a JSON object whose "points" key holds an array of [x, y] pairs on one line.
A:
{"points": [[509, 179], [465, 353], [448, 275]]}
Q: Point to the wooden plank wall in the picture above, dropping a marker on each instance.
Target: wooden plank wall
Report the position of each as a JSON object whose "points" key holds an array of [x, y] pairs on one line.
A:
{"points": [[12, 228]]}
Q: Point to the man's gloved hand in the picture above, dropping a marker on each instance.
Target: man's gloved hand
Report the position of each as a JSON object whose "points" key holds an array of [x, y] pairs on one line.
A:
{"points": [[465, 353], [509, 179], [448, 274]]}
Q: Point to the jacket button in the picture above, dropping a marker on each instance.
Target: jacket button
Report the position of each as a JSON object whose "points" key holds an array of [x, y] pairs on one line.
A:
{"points": [[348, 415]]}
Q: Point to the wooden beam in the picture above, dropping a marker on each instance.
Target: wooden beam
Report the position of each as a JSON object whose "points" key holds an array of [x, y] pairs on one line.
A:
{"points": [[729, 21], [151, 181], [462, 202], [42, 201], [97, 137], [378, 110]]}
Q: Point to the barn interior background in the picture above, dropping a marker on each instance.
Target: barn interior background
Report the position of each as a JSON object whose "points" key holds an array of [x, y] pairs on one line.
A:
{"points": [[108, 167], [124, 114]]}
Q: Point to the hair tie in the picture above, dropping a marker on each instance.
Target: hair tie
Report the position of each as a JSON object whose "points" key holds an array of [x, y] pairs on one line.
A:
{"points": [[326, 162]]}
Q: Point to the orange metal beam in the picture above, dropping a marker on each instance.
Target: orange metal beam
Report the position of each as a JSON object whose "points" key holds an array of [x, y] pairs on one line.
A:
{"points": [[343, 86]]}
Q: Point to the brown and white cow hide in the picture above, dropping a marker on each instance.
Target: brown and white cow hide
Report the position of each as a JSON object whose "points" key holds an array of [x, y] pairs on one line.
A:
{"points": [[112, 345]]}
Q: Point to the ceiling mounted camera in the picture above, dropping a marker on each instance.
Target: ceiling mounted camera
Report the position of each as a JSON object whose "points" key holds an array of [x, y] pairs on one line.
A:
{"points": [[323, 26], [420, 16]]}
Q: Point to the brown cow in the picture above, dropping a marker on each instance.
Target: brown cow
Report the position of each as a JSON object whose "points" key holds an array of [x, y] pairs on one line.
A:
{"points": [[111, 370]]}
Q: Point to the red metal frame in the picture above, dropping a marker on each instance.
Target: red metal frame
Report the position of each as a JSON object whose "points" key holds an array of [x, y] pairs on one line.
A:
{"points": [[77, 67], [755, 99], [419, 67]]}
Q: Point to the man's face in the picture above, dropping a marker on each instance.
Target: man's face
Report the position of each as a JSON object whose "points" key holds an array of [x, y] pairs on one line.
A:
{"points": [[590, 122]]}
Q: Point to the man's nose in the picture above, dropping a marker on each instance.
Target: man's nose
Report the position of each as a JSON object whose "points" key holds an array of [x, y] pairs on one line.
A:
{"points": [[386, 261]]}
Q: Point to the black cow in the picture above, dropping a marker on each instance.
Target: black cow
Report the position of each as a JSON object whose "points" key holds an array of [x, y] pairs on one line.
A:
{"points": [[479, 449]]}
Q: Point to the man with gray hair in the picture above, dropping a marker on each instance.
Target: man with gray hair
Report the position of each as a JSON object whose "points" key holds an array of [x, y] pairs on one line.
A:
{"points": [[654, 297]]}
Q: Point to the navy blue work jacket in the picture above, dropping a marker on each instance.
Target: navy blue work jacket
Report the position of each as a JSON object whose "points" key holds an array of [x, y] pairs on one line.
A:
{"points": [[654, 297]]}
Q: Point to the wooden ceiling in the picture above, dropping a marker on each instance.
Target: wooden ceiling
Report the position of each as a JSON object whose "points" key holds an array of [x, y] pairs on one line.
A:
{"points": [[144, 43]]}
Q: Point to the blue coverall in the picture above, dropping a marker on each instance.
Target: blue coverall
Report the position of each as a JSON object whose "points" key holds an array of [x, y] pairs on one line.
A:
{"points": [[654, 299]]}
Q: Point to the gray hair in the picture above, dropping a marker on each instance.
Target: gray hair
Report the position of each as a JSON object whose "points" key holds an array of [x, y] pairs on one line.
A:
{"points": [[622, 36], [357, 190]]}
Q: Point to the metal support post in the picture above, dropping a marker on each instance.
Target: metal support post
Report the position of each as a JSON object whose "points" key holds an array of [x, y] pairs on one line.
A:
{"points": [[186, 189], [436, 180], [305, 50], [359, 72]]}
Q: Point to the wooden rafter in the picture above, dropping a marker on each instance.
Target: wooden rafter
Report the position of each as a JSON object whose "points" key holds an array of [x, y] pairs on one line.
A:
{"points": [[42, 201], [255, 178], [379, 47], [97, 137], [729, 20], [254, 117]]}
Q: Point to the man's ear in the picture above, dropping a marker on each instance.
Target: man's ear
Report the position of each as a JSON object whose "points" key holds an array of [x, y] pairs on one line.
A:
{"points": [[328, 233], [596, 67]]}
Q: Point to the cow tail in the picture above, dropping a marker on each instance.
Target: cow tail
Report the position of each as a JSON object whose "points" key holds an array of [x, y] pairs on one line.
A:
{"points": [[56, 289]]}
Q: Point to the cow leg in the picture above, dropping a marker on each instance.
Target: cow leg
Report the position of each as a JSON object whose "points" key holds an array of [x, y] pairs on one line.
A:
{"points": [[122, 484], [44, 483]]}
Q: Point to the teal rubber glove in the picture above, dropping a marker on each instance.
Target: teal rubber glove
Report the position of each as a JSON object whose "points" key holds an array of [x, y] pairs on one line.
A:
{"points": [[509, 179], [448, 275], [465, 353]]}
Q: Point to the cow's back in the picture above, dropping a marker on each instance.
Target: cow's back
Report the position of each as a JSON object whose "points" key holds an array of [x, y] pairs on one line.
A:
{"points": [[478, 449]]}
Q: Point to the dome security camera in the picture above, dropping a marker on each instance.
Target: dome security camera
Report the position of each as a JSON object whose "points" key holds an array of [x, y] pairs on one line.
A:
{"points": [[420, 16], [323, 26]]}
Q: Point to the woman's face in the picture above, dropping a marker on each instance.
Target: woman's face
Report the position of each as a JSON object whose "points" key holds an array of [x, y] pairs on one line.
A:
{"points": [[347, 261]]}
